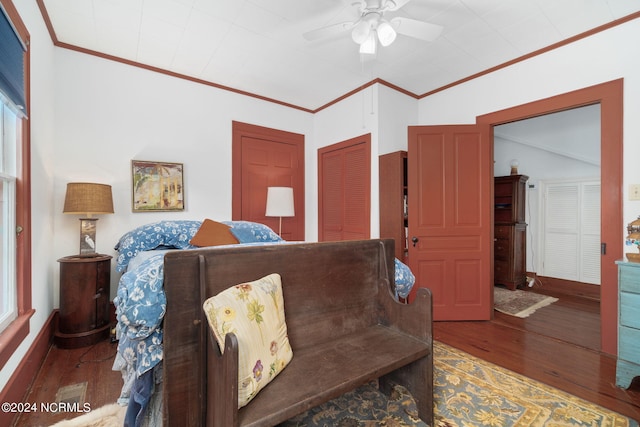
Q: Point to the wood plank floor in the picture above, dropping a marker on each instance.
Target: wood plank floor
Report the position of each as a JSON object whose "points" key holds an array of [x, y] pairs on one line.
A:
{"points": [[557, 345], [68, 367]]}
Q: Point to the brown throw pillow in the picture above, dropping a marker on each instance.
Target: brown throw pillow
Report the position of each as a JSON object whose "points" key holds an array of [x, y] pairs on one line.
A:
{"points": [[212, 233]]}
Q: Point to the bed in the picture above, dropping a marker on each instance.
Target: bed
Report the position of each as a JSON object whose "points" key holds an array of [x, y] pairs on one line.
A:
{"points": [[141, 301]]}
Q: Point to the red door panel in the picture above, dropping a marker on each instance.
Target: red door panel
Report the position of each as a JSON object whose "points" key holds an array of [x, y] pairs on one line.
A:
{"points": [[344, 190], [450, 218], [267, 158]]}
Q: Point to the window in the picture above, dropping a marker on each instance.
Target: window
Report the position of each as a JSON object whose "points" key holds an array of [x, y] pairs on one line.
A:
{"points": [[9, 124], [15, 182]]}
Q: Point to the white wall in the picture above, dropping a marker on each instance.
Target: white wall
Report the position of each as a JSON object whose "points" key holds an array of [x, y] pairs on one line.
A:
{"points": [[597, 59], [397, 112], [42, 172]]}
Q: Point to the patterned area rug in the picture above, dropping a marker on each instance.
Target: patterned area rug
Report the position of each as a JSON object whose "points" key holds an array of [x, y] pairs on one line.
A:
{"points": [[468, 392], [471, 392], [519, 303]]}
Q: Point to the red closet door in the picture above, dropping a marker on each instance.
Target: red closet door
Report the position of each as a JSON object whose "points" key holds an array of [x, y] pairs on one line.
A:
{"points": [[344, 190], [450, 217]]}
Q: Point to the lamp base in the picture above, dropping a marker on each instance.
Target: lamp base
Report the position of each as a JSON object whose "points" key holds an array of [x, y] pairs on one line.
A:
{"points": [[88, 236]]}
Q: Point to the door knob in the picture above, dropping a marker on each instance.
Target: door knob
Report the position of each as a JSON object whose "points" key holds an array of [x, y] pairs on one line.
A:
{"points": [[414, 239]]}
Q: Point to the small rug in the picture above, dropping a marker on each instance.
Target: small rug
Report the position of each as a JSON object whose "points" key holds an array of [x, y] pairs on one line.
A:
{"points": [[519, 303], [107, 416]]}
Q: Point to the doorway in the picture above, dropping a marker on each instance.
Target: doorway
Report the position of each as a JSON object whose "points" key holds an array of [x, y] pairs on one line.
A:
{"points": [[610, 98], [556, 151]]}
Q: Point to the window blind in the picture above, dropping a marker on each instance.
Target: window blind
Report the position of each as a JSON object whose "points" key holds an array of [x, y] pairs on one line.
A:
{"points": [[12, 63]]}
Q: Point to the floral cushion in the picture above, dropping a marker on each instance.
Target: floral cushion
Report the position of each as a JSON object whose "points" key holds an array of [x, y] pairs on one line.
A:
{"points": [[254, 312]]}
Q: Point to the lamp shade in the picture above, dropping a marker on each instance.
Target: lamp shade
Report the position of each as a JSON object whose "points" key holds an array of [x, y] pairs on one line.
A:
{"points": [[280, 201], [88, 198]]}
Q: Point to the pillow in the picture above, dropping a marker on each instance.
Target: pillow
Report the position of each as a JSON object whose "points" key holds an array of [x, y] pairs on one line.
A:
{"points": [[251, 232], [404, 279], [254, 312], [173, 234], [212, 233]]}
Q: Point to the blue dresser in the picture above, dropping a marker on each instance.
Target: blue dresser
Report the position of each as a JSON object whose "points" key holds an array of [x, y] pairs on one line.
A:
{"points": [[628, 365]]}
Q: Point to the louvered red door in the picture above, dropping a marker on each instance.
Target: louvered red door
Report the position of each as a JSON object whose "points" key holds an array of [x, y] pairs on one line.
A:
{"points": [[344, 190]]}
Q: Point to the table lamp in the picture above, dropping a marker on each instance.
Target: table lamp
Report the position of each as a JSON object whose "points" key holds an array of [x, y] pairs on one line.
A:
{"points": [[280, 203], [85, 198]]}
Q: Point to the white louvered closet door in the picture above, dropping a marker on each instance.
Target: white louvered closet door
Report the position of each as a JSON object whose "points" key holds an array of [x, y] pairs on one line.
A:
{"points": [[571, 231]]}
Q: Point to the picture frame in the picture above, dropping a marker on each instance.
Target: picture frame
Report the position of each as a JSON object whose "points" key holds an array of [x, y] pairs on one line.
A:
{"points": [[157, 186]]}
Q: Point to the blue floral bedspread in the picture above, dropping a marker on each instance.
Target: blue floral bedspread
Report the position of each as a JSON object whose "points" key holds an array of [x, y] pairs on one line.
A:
{"points": [[141, 302]]}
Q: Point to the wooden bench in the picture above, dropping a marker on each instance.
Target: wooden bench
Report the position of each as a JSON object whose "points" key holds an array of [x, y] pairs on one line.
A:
{"points": [[343, 323]]}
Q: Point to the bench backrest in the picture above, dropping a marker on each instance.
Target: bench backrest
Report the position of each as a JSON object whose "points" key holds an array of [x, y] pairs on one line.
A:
{"points": [[329, 289]]}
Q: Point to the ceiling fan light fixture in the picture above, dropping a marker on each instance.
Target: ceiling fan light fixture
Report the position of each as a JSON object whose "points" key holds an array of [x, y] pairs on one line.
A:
{"points": [[386, 33], [370, 45], [361, 31]]}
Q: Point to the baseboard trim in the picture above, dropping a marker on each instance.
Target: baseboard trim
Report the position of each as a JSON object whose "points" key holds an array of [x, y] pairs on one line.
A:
{"points": [[18, 385], [567, 287]]}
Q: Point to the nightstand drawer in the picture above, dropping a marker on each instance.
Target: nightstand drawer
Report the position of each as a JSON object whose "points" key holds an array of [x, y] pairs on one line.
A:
{"points": [[630, 310], [629, 345]]}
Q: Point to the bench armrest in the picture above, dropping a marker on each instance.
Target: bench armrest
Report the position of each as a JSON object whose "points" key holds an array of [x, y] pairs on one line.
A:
{"points": [[222, 373]]}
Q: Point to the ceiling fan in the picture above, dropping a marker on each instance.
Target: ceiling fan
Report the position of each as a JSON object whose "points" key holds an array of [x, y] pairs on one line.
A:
{"points": [[372, 26]]}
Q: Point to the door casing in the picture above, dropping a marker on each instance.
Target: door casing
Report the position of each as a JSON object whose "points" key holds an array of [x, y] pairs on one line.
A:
{"points": [[610, 97]]}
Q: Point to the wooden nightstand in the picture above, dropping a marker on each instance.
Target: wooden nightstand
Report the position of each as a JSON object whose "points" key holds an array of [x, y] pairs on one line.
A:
{"points": [[83, 318]]}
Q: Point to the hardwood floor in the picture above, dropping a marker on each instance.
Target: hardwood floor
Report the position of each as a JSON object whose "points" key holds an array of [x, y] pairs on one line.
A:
{"points": [[557, 345], [66, 368]]}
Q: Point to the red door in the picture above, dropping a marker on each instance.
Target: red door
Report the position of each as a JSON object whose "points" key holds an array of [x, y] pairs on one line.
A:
{"points": [[264, 158], [450, 218], [344, 190]]}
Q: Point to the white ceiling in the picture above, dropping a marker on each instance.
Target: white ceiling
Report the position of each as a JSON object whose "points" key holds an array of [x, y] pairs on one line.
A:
{"points": [[257, 45]]}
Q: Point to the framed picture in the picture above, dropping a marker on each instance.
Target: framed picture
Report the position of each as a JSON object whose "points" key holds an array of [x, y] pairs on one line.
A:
{"points": [[157, 186]]}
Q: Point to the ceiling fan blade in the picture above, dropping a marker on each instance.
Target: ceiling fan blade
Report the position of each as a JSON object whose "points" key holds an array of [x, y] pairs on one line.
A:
{"points": [[417, 29], [328, 31], [395, 4]]}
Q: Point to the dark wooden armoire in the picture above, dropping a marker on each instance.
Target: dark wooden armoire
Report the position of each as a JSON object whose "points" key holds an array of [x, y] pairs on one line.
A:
{"points": [[510, 231]]}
